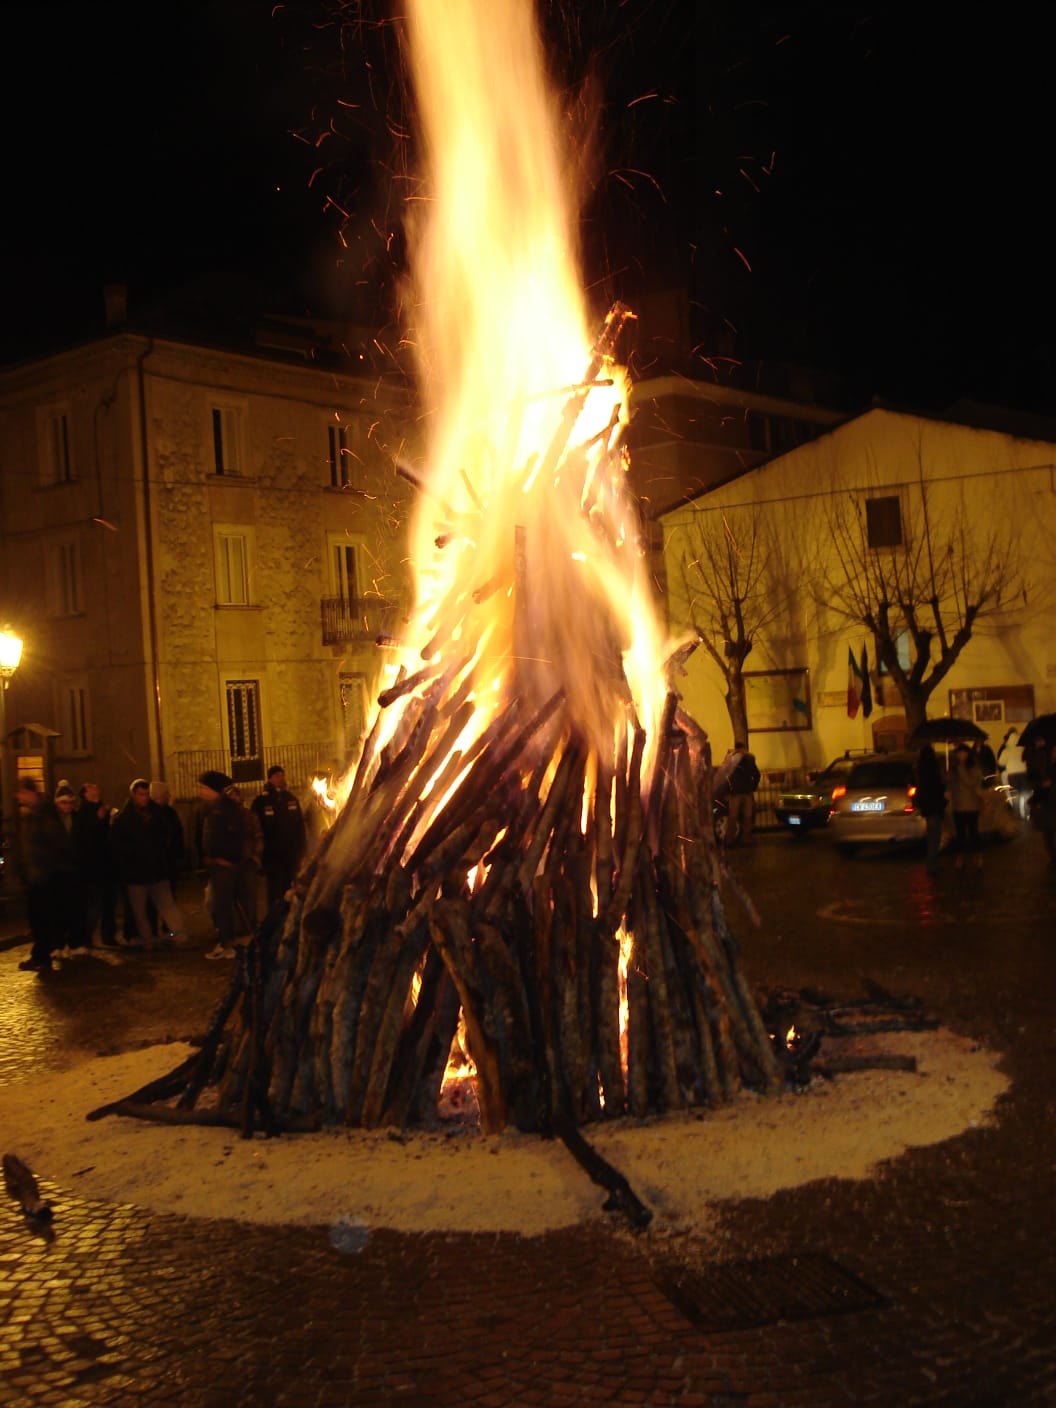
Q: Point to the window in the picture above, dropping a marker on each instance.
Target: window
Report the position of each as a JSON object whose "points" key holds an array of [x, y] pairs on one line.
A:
{"points": [[345, 442], [243, 729], [340, 457], [74, 718], [883, 522], [232, 551], [53, 427], [344, 578], [227, 440], [902, 650], [353, 695], [65, 594]]}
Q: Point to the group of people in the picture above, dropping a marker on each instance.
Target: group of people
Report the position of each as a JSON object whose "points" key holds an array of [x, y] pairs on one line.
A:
{"points": [[962, 790], [79, 858]]}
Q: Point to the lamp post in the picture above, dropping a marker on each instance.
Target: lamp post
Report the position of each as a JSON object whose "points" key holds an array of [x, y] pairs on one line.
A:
{"points": [[10, 656]]}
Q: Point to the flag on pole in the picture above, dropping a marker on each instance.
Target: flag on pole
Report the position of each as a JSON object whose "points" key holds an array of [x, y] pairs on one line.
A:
{"points": [[867, 691], [854, 683]]}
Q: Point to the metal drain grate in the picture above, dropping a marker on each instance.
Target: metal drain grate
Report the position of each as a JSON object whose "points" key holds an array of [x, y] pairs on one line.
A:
{"points": [[741, 1295]]}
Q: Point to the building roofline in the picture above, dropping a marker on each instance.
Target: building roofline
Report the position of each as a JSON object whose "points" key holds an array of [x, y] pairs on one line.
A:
{"points": [[963, 415]]}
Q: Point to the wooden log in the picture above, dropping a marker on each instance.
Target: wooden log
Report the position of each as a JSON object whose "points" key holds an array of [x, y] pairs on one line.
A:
{"points": [[572, 1062], [632, 838], [543, 930], [580, 868], [620, 809], [622, 1197], [395, 1017], [424, 1048], [449, 928], [666, 736], [169, 1114], [668, 1095], [436, 775], [744, 1002], [255, 1103], [163, 1088], [514, 1037], [550, 816], [639, 1035], [292, 1017], [343, 993], [386, 965]]}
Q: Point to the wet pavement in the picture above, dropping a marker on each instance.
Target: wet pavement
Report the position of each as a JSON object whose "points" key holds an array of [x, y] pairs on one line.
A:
{"points": [[932, 1283]]}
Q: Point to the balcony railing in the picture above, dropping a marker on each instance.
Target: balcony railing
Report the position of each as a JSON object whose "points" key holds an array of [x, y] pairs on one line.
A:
{"points": [[357, 620]]}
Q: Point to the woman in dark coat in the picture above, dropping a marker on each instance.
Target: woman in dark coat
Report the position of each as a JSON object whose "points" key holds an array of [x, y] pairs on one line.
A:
{"points": [[930, 801]]}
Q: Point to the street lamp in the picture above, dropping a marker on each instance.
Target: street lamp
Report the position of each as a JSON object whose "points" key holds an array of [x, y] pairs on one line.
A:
{"points": [[10, 656]]}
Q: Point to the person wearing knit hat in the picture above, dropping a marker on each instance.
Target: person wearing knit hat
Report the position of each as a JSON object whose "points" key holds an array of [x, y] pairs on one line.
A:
{"points": [[224, 844], [65, 805], [214, 781]]}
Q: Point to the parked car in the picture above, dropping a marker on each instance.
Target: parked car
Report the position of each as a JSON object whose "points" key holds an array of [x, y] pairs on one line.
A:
{"points": [[875, 804], [806, 808]]}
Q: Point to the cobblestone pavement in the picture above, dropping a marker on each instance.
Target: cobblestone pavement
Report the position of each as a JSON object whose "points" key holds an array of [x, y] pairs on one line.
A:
{"points": [[935, 1280]]}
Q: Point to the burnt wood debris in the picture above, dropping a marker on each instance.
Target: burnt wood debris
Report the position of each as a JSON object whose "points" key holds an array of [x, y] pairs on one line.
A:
{"points": [[348, 1001]]}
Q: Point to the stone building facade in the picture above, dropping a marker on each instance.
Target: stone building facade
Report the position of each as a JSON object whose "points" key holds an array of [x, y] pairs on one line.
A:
{"points": [[200, 548]]}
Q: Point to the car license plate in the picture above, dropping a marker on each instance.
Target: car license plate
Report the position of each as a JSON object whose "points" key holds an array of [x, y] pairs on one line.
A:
{"points": [[867, 806], [794, 820]]}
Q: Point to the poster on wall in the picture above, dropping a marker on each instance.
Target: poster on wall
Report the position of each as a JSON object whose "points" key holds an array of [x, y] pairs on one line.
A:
{"points": [[777, 700], [996, 704]]}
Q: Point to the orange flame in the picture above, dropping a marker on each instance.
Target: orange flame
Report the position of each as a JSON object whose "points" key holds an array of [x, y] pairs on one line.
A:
{"points": [[526, 543]]}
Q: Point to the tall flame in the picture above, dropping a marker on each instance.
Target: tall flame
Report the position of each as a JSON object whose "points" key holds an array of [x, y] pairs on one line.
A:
{"points": [[526, 542]]}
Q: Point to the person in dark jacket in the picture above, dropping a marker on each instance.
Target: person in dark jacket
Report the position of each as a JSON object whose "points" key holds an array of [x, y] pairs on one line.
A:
{"points": [[738, 774], [98, 870], [140, 840], [48, 864], [282, 823], [225, 840], [930, 801], [249, 867]]}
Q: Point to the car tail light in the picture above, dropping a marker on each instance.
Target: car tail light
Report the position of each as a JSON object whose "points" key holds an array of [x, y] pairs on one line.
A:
{"points": [[838, 792], [911, 792]]}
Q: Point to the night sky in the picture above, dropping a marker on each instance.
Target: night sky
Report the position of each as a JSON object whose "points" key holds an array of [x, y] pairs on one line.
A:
{"points": [[862, 189]]}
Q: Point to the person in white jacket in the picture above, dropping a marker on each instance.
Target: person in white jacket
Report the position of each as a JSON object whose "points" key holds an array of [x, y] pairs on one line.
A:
{"points": [[1013, 770]]}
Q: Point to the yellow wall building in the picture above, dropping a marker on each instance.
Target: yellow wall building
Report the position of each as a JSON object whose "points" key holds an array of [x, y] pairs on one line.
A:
{"points": [[985, 488]]}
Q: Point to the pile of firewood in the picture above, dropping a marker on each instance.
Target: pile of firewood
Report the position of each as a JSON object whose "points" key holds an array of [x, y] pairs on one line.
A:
{"points": [[495, 883]]}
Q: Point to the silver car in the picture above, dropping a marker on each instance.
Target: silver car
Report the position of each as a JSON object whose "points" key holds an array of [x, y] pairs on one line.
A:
{"points": [[876, 805]]}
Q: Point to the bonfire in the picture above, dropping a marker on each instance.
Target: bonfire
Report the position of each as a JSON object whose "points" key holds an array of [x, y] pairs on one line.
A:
{"points": [[522, 871]]}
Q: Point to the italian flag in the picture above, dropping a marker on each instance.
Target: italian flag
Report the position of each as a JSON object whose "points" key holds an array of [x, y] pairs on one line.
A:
{"points": [[854, 685]]}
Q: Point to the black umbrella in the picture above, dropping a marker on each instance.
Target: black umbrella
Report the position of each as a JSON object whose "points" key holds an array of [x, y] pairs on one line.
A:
{"points": [[1044, 726], [947, 731]]}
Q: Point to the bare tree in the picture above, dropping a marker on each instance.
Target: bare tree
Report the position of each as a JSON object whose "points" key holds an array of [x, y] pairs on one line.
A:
{"points": [[920, 565], [736, 590]]}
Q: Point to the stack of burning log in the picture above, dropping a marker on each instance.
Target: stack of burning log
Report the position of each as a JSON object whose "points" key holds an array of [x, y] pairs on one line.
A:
{"points": [[510, 902], [509, 874]]}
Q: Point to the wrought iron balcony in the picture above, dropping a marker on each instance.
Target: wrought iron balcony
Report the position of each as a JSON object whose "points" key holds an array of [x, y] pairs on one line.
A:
{"points": [[356, 620]]}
